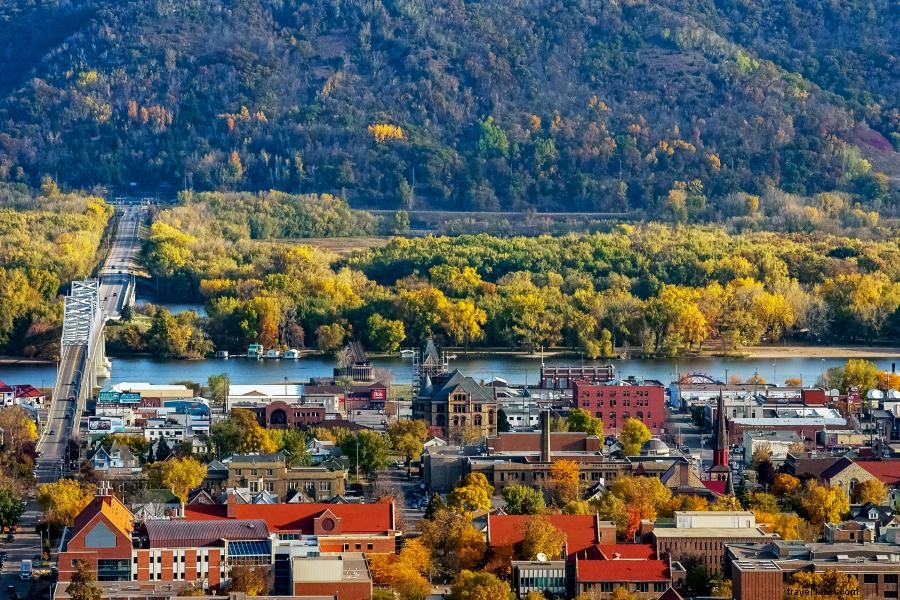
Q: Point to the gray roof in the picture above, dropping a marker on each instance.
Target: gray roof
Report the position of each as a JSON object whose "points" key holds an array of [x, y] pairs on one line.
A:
{"points": [[256, 458], [179, 534], [443, 386]]}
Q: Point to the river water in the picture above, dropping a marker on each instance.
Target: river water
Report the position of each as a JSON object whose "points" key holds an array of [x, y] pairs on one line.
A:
{"points": [[513, 369]]}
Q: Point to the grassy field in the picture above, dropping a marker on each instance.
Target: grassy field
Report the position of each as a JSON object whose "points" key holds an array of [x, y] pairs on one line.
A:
{"points": [[340, 245]]}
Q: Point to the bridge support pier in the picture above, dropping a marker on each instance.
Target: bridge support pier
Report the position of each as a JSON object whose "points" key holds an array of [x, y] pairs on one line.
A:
{"points": [[102, 367]]}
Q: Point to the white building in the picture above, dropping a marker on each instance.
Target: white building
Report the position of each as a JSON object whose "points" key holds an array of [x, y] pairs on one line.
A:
{"points": [[778, 442]]}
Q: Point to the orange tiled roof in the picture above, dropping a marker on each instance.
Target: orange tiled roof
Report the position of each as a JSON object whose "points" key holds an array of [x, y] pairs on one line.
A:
{"points": [[622, 570], [300, 518], [509, 530], [627, 551]]}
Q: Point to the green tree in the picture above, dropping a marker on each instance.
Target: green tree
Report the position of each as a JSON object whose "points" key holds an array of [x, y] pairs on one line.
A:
{"points": [[330, 338], [10, 508], [522, 500], [435, 504], [383, 334], [582, 420], [368, 450], [503, 425], [219, 386], [294, 445]]}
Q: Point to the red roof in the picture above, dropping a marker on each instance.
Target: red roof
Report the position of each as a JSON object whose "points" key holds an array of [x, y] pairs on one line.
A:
{"points": [[622, 570], [509, 530], [4, 387], [27, 391], [715, 486], [627, 551], [888, 471], [299, 518]]}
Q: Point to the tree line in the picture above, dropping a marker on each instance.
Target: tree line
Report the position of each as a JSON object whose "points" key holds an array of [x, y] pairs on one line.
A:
{"points": [[653, 288]]}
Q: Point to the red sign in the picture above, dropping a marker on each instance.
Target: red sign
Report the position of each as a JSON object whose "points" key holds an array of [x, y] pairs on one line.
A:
{"points": [[378, 394]]}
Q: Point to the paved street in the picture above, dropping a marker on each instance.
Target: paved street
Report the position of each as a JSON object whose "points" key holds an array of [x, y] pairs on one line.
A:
{"points": [[121, 264], [26, 545]]}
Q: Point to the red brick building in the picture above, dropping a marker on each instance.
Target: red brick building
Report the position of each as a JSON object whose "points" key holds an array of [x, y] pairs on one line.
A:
{"points": [[279, 413], [620, 399], [369, 528], [101, 537], [643, 578]]}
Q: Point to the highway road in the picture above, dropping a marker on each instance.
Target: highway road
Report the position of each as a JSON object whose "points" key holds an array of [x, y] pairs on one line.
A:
{"points": [[64, 413], [121, 264]]}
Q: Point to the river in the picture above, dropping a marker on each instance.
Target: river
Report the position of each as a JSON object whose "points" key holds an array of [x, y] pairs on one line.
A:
{"points": [[515, 369], [512, 368]]}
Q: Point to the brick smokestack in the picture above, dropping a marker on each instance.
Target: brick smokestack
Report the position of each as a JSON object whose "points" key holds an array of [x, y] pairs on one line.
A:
{"points": [[545, 436], [231, 505]]}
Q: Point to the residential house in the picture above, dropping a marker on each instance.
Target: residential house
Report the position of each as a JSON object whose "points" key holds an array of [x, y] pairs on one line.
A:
{"points": [[157, 504]]}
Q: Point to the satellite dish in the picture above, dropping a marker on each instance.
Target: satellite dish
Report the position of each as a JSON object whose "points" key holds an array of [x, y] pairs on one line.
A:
{"points": [[541, 557]]}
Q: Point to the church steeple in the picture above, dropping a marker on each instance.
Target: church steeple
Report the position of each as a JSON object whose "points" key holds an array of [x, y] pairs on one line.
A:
{"points": [[720, 455], [720, 469]]}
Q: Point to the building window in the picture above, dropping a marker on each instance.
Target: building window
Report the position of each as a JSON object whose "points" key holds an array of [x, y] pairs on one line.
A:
{"points": [[370, 546], [642, 587], [868, 577], [324, 486], [113, 570], [890, 579]]}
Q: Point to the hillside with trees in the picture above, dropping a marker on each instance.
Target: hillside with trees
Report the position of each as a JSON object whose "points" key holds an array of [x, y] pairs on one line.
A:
{"points": [[679, 110]]}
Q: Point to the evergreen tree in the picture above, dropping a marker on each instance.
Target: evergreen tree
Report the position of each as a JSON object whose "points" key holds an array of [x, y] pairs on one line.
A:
{"points": [[163, 451], [435, 503]]}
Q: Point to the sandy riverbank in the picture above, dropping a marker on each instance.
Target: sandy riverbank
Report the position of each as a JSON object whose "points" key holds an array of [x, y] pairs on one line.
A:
{"points": [[821, 352]]}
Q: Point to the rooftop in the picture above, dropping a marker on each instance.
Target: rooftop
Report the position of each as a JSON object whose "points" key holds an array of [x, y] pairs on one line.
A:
{"points": [[163, 533], [711, 532], [509, 530], [294, 518], [622, 570]]}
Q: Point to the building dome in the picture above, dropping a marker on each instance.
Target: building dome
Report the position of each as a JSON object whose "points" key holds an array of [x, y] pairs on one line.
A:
{"points": [[654, 447]]}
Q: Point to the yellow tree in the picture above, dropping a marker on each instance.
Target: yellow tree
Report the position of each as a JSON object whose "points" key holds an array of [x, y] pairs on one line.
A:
{"points": [[610, 507], [645, 495], [823, 504], [784, 485], [582, 420], [634, 434], [784, 524], [18, 427], [407, 437], [253, 438], [181, 475], [828, 585], [621, 593], [454, 543], [474, 493], [250, 580], [463, 321], [725, 504], [870, 491], [479, 586], [566, 479], [63, 499], [542, 537]]}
